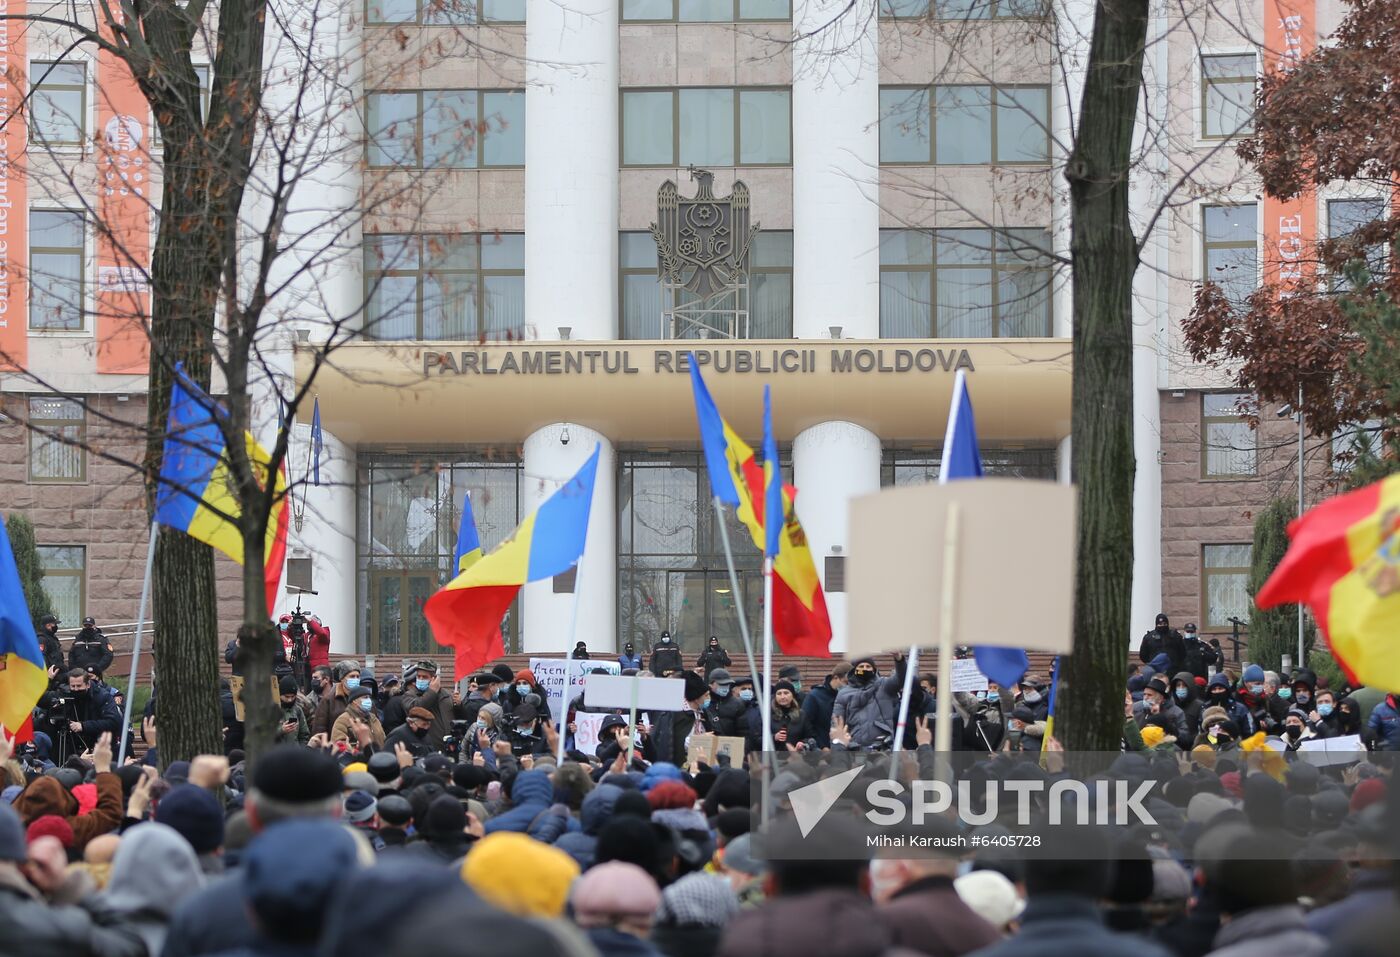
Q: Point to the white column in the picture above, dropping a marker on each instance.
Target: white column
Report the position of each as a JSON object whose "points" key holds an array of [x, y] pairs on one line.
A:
{"points": [[1150, 319], [571, 167], [547, 618], [1064, 461], [835, 170], [832, 463], [1074, 20], [327, 537]]}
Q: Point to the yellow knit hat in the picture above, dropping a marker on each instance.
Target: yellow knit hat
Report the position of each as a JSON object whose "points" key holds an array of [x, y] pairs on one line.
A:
{"points": [[1152, 735], [519, 874], [356, 766]]}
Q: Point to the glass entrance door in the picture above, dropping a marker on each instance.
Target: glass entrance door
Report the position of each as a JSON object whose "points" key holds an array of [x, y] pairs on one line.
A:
{"points": [[701, 603], [397, 625]]}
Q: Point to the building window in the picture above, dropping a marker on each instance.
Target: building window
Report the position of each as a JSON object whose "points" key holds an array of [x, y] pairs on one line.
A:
{"points": [[1345, 217], [1227, 95], [64, 569], [1229, 446], [444, 286], [770, 287], [705, 11], [964, 125], [707, 126], [58, 105], [964, 283], [911, 467], [1231, 250], [1352, 442], [1225, 584], [447, 129], [963, 9], [57, 432], [446, 12], [56, 270]]}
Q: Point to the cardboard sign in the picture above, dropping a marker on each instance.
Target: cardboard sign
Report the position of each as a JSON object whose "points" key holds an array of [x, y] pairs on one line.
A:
{"points": [[652, 694], [966, 677], [1013, 534], [707, 748], [586, 728], [562, 679]]}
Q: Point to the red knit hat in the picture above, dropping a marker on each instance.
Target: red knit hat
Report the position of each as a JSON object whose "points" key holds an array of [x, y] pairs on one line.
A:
{"points": [[1368, 792], [671, 794], [50, 825], [1230, 781]]}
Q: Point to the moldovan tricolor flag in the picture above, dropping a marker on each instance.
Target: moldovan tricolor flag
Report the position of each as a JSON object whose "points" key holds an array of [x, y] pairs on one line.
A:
{"points": [[801, 624], [195, 494], [1343, 561], [23, 677], [466, 612]]}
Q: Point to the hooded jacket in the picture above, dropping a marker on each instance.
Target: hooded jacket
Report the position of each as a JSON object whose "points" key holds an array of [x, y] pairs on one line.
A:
{"points": [[34, 928], [531, 794], [597, 808], [153, 871], [1190, 705], [46, 796], [1234, 710], [515, 698], [870, 710]]}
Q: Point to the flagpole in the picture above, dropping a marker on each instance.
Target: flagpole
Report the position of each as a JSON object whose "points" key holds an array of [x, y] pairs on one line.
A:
{"points": [[573, 631], [911, 665], [766, 705], [734, 586], [943, 728], [136, 644]]}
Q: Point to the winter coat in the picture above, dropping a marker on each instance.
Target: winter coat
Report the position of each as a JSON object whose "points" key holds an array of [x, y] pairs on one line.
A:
{"points": [[153, 871], [710, 659], [52, 649], [438, 702], [342, 730], [1054, 925], [206, 923], [630, 661], [1234, 710], [531, 794], [1200, 655], [1156, 642], [667, 739], [514, 698], [789, 720], [46, 796], [870, 710], [318, 651], [303, 732], [930, 917], [666, 657], [597, 808], [330, 708], [34, 928], [830, 922], [817, 710], [90, 649], [1371, 890], [1384, 725], [728, 713], [1267, 932]]}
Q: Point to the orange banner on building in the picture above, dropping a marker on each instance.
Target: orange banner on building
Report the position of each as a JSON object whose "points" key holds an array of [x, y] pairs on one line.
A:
{"points": [[124, 219], [1290, 228], [14, 191]]}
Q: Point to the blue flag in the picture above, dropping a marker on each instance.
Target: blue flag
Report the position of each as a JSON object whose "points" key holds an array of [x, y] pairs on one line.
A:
{"points": [[962, 459], [772, 483], [712, 438], [468, 543], [317, 442]]}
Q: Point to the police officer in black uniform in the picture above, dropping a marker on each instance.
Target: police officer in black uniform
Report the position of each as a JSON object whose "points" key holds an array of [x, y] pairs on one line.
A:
{"points": [[91, 650], [49, 643]]}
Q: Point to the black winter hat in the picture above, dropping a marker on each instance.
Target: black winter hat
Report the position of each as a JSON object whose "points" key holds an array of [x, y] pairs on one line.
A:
{"points": [[783, 686], [395, 811], [383, 766], [470, 777], [1159, 685], [288, 685], [196, 814], [695, 687], [359, 692], [503, 673], [445, 818], [297, 775]]}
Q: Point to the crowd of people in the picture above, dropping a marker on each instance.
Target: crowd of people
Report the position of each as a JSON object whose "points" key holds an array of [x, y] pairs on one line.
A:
{"points": [[405, 812]]}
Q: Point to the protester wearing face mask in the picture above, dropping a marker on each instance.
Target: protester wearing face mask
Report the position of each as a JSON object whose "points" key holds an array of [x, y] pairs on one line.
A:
{"points": [[527, 736], [1157, 700], [1295, 729], [1219, 694], [1164, 639], [359, 725], [1254, 694], [293, 728], [415, 734], [332, 706], [524, 683], [1184, 697], [726, 709], [711, 658], [629, 659], [426, 692], [743, 692], [1201, 656], [1302, 689]]}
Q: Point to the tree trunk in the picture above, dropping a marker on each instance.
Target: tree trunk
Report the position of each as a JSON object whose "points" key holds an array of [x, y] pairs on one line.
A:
{"points": [[188, 713], [1104, 256]]}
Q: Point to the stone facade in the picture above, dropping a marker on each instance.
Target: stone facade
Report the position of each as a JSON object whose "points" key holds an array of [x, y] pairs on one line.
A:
{"points": [[105, 514]]}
